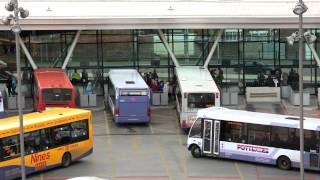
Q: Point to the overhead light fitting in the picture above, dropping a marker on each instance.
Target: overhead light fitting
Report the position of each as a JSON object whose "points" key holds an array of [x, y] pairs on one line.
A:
{"points": [[309, 37], [23, 12], [300, 8], [292, 38], [7, 19], [10, 6]]}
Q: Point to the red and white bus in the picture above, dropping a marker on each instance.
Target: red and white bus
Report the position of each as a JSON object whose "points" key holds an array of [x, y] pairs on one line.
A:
{"points": [[52, 88]]}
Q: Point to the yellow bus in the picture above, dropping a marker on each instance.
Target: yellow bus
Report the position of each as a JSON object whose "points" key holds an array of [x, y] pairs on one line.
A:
{"points": [[52, 138]]}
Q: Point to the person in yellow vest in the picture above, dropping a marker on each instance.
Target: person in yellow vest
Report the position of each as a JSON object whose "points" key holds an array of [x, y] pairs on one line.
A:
{"points": [[75, 77]]}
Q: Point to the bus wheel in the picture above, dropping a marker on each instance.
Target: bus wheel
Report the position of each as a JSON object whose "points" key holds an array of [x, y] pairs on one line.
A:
{"points": [[284, 162], [66, 160], [195, 151]]}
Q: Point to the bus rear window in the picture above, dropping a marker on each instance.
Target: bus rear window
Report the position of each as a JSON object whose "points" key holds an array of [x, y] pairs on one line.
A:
{"points": [[133, 93], [56, 95], [201, 100]]}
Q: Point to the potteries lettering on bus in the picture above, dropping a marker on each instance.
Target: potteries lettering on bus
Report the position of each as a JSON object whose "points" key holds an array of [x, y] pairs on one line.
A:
{"points": [[249, 148]]}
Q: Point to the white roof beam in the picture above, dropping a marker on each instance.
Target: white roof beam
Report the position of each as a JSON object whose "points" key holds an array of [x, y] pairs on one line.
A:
{"points": [[166, 45], [72, 46], [213, 48], [26, 52]]}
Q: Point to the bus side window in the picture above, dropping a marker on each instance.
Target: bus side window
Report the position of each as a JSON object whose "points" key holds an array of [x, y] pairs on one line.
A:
{"points": [[32, 142], [1, 151], [232, 132], [311, 141], [111, 91], [259, 134], [10, 147], [79, 130], [279, 137], [225, 131], [46, 143], [61, 135], [179, 96]]}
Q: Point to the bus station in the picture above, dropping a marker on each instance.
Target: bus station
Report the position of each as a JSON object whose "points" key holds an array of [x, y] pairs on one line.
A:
{"points": [[147, 71]]}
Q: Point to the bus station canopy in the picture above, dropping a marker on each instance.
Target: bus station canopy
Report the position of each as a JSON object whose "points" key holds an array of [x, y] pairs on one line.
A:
{"points": [[168, 14]]}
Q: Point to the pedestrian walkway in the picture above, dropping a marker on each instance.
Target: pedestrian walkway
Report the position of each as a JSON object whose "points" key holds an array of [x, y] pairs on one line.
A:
{"points": [[284, 107]]}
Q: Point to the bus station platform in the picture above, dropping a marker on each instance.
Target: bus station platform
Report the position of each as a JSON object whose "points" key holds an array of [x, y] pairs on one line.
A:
{"points": [[284, 107]]}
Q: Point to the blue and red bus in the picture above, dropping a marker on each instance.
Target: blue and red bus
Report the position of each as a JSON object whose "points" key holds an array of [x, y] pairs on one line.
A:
{"points": [[128, 96], [52, 88]]}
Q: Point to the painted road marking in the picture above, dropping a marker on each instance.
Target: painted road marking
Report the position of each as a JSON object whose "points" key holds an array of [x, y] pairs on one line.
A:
{"points": [[161, 153], [239, 171], [109, 143]]}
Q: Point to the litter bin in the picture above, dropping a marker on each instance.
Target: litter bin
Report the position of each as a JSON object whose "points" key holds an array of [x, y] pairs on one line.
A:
{"points": [[164, 98], [13, 102], [84, 100], [156, 99], [92, 99], [234, 98], [225, 98]]}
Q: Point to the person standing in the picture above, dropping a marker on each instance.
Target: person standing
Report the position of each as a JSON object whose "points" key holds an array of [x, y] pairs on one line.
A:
{"points": [[220, 76], [75, 76], [84, 77], [13, 85], [89, 89], [9, 85]]}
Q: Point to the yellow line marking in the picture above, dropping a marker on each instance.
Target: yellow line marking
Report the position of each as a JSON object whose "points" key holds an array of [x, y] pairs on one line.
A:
{"points": [[109, 144], [239, 171], [163, 159], [93, 167], [41, 177], [182, 157], [151, 128], [161, 153]]}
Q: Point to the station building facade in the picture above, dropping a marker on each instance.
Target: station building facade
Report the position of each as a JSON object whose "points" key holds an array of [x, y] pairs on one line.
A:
{"points": [[241, 52]]}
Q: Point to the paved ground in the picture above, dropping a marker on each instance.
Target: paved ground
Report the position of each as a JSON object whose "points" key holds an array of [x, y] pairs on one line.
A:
{"points": [[158, 151]]}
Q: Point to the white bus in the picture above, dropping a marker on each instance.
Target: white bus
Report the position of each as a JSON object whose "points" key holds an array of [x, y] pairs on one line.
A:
{"points": [[196, 90], [256, 137], [128, 96]]}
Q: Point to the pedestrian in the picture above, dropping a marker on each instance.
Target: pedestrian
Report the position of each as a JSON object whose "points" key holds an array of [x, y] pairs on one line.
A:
{"points": [[84, 77], [220, 76], [89, 89], [75, 77], [13, 85], [9, 85]]}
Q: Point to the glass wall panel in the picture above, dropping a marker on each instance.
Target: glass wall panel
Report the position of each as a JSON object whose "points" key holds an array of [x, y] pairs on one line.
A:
{"points": [[152, 54], [118, 54], [45, 47], [241, 53]]}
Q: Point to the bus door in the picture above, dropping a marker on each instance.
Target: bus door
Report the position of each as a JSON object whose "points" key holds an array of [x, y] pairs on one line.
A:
{"points": [[211, 137]]}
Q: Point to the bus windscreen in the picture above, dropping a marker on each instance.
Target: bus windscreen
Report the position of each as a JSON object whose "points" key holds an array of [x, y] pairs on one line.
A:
{"points": [[201, 100], [133, 92], [54, 95]]}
